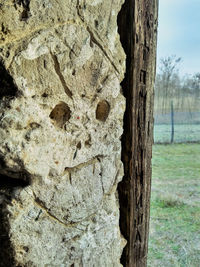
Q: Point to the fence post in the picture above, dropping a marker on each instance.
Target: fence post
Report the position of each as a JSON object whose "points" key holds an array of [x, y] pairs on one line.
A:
{"points": [[172, 122]]}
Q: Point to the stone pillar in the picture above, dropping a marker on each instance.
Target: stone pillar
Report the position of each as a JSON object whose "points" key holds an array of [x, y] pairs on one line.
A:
{"points": [[61, 116]]}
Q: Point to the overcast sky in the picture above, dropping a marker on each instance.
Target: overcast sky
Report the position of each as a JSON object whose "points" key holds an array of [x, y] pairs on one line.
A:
{"points": [[179, 33]]}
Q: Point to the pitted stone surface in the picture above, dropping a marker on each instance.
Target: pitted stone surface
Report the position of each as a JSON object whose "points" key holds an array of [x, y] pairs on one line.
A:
{"points": [[61, 115]]}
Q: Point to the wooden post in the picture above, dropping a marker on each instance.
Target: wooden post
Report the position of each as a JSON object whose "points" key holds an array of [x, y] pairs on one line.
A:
{"points": [[138, 30], [172, 122]]}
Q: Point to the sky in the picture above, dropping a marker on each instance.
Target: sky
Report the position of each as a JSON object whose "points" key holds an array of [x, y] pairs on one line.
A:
{"points": [[179, 33]]}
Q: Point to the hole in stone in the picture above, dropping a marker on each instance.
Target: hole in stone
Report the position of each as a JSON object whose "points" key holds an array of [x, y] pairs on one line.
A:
{"points": [[88, 142], [26, 8], [7, 86], [73, 72], [60, 114], [102, 111], [79, 145], [24, 15], [3, 29], [96, 23], [7, 54], [26, 249], [38, 216], [75, 154], [44, 95], [45, 64]]}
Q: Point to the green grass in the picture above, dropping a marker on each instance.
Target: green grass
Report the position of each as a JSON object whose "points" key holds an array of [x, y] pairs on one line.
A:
{"points": [[175, 206], [182, 133]]}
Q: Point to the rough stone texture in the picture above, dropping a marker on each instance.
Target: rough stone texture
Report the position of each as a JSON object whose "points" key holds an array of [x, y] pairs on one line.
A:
{"points": [[61, 113]]}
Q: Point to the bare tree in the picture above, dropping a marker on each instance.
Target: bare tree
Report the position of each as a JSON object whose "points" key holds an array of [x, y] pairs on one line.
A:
{"points": [[166, 80]]}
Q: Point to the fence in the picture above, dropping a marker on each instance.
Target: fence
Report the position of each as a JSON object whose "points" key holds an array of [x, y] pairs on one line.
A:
{"points": [[186, 127]]}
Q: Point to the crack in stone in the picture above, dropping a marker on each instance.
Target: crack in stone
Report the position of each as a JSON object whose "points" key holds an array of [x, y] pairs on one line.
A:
{"points": [[41, 205], [101, 176], [59, 73], [84, 164], [97, 42], [96, 39], [102, 186], [78, 11], [66, 44]]}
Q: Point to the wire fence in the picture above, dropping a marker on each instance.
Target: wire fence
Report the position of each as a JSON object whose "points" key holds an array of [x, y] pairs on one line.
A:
{"points": [[186, 127]]}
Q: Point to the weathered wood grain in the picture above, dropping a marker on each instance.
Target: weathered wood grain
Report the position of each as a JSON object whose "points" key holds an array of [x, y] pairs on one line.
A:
{"points": [[138, 30]]}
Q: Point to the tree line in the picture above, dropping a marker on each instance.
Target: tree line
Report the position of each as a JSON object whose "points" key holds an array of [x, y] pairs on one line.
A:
{"points": [[172, 89]]}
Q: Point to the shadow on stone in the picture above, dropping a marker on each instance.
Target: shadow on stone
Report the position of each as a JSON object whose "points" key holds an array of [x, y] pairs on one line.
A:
{"points": [[7, 86], [7, 185], [6, 251]]}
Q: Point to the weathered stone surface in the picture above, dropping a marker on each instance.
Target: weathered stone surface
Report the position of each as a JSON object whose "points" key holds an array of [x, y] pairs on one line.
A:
{"points": [[61, 113]]}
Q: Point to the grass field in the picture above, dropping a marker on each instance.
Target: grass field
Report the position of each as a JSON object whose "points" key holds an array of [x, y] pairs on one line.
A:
{"points": [[175, 206], [182, 133]]}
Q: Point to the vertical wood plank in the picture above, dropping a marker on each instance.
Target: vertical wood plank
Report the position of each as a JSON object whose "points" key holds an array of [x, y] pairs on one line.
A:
{"points": [[137, 23]]}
